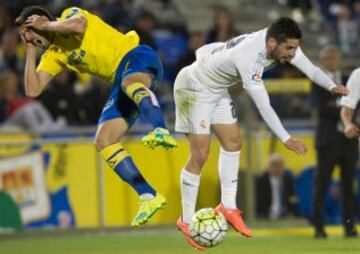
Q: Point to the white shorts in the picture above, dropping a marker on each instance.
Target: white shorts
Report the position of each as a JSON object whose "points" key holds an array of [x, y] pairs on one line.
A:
{"points": [[197, 107]]}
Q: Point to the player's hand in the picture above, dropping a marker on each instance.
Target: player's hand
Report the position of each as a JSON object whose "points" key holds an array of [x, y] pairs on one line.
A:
{"points": [[37, 22], [29, 46], [340, 90], [296, 146], [351, 131]]}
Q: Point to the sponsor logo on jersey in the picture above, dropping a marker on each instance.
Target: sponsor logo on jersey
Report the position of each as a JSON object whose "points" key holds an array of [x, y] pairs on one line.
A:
{"points": [[203, 124], [256, 77], [76, 57], [72, 13]]}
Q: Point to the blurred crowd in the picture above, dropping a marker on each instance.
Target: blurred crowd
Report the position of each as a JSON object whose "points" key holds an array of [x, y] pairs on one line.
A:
{"points": [[280, 193], [76, 100], [340, 19]]}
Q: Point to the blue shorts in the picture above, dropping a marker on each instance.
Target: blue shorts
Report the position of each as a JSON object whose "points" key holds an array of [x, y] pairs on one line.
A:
{"points": [[119, 105]]}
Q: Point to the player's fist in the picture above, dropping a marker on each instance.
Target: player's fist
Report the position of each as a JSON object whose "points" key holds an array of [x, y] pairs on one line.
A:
{"points": [[351, 131], [36, 22], [296, 146], [340, 90]]}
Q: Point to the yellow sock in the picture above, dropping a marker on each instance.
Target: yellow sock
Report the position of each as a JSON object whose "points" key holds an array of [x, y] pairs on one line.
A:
{"points": [[147, 103], [113, 154]]}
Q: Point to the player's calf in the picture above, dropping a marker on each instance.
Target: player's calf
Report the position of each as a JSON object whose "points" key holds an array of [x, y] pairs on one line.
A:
{"points": [[121, 162]]}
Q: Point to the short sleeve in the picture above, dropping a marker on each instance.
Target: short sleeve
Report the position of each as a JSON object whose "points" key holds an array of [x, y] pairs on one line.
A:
{"points": [[71, 12], [50, 64]]}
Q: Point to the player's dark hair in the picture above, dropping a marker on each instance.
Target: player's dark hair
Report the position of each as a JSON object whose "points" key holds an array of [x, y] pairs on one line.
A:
{"points": [[283, 29], [32, 10]]}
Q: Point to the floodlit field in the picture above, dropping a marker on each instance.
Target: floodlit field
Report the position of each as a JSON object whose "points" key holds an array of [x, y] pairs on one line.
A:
{"points": [[169, 241]]}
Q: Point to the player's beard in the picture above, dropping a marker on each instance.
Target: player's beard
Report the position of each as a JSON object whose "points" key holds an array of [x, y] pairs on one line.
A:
{"points": [[274, 55]]}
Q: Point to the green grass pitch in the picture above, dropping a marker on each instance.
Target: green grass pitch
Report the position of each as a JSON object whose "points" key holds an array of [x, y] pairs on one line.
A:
{"points": [[168, 241]]}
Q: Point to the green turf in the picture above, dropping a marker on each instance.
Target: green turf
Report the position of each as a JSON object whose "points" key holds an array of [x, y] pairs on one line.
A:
{"points": [[171, 242]]}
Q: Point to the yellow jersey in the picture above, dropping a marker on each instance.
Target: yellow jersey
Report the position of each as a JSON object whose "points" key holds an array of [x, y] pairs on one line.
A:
{"points": [[98, 51]]}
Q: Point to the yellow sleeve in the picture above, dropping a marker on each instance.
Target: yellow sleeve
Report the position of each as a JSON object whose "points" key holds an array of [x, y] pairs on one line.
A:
{"points": [[71, 12], [50, 64]]}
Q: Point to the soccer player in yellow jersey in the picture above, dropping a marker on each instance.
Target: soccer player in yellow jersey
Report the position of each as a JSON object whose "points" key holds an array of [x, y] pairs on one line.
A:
{"points": [[82, 42]]}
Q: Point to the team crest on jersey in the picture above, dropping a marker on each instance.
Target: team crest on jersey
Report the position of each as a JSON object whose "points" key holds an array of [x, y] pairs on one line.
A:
{"points": [[203, 124], [76, 57], [256, 77], [72, 13]]}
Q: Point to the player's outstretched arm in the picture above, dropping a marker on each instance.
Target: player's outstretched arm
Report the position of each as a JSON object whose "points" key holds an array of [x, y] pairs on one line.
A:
{"points": [[35, 82], [75, 25], [316, 75], [262, 102]]}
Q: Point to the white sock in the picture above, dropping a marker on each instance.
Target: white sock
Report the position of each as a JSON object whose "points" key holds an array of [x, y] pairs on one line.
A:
{"points": [[189, 183], [146, 196], [229, 163]]}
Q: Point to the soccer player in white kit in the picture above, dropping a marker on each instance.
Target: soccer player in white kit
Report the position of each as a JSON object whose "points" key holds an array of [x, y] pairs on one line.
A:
{"points": [[348, 104], [202, 101]]}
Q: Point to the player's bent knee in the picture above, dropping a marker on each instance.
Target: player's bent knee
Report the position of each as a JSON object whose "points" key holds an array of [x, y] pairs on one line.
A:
{"points": [[233, 145], [200, 156], [100, 143]]}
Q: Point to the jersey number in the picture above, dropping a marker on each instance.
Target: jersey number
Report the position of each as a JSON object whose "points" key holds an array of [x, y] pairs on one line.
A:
{"points": [[233, 42], [229, 44]]}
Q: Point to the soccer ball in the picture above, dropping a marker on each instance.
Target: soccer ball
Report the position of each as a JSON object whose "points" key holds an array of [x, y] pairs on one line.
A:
{"points": [[208, 228]]}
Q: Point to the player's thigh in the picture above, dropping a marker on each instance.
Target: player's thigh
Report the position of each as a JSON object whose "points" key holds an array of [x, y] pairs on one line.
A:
{"points": [[141, 65], [118, 114], [225, 126], [194, 105], [110, 132]]}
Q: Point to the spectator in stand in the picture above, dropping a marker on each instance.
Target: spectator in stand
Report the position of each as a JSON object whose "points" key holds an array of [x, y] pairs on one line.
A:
{"points": [[300, 9], [4, 19], [333, 148], [116, 13], [347, 29], [21, 111], [275, 196], [168, 13], [9, 57], [144, 26], [356, 8], [92, 101], [2, 99], [196, 40], [223, 28], [60, 98]]}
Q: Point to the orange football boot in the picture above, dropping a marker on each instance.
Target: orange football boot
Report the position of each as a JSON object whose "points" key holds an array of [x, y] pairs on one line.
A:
{"points": [[185, 229], [233, 217]]}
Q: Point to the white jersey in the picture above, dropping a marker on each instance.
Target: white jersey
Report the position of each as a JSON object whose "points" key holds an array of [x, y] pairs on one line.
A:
{"points": [[243, 59], [353, 84], [220, 65]]}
